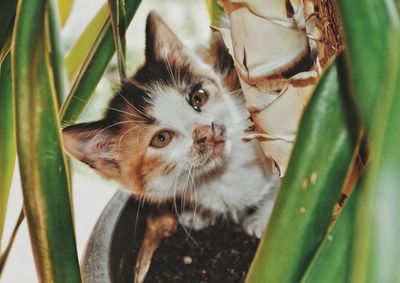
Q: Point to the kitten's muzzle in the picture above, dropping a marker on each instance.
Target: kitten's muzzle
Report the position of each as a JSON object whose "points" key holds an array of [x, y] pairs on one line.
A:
{"points": [[209, 134]]}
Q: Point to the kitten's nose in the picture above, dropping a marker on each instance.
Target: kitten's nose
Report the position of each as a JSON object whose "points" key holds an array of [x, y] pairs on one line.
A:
{"points": [[203, 134], [209, 133]]}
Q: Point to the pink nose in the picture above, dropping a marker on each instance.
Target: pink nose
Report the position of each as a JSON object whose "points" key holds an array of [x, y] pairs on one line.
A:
{"points": [[203, 134], [208, 133]]}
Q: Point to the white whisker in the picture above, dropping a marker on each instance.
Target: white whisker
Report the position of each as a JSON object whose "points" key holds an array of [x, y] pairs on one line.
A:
{"points": [[112, 125], [124, 112]]}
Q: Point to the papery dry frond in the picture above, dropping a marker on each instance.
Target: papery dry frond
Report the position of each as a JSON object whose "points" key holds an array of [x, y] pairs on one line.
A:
{"points": [[277, 47]]}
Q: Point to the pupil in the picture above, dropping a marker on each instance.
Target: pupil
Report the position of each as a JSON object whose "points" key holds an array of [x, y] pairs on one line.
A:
{"points": [[161, 137]]}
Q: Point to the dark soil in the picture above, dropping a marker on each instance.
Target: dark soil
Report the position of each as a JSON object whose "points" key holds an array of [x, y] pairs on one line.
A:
{"points": [[221, 253], [218, 254]]}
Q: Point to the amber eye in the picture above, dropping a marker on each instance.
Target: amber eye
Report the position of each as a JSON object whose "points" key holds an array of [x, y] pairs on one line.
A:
{"points": [[197, 99], [161, 139]]}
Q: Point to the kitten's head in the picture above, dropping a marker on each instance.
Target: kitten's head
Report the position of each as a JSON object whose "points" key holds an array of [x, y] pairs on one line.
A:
{"points": [[168, 125]]}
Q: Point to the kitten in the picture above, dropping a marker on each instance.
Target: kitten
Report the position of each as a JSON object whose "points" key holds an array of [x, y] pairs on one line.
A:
{"points": [[174, 130]]}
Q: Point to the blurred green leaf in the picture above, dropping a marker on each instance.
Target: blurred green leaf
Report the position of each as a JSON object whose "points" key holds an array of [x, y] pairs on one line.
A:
{"points": [[64, 9], [311, 188], [7, 14], [79, 51], [5, 48], [56, 61], [118, 21], [42, 163], [4, 255], [367, 28], [56, 56], [376, 253], [215, 11], [7, 138], [93, 68]]}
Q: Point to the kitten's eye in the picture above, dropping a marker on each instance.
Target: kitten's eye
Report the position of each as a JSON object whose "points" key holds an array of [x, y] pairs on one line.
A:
{"points": [[197, 99], [161, 139]]}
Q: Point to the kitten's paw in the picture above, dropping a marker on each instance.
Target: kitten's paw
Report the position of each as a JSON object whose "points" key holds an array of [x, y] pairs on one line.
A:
{"points": [[196, 221], [254, 225]]}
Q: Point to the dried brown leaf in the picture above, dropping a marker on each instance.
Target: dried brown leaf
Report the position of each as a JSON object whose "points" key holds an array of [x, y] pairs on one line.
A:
{"points": [[160, 224]]}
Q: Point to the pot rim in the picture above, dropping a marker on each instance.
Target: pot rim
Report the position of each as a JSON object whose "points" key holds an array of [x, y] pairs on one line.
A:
{"points": [[95, 267]]}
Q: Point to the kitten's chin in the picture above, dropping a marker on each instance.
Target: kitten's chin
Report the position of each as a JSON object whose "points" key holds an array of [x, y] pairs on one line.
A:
{"points": [[215, 160], [212, 165]]}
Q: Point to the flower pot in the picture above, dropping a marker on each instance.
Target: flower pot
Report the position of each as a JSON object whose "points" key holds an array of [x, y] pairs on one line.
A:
{"points": [[221, 253]]}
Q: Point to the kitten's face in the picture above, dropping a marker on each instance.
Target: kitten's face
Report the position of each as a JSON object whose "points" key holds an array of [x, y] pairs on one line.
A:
{"points": [[171, 124]]}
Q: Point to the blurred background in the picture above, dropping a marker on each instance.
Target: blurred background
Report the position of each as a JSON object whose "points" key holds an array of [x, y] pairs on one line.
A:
{"points": [[189, 20]]}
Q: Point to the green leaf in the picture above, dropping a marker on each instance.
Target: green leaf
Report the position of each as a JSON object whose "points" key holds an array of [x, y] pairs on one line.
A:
{"points": [[215, 11], [7, 138], [93, 69], [376, 253], [118, 21], [367, 28], [332, 260], [42, 163], [4, 255], [79, 51], [56, 55], [64, 9], [7, 14], [5, 48], [56, 61], [311, 188]]}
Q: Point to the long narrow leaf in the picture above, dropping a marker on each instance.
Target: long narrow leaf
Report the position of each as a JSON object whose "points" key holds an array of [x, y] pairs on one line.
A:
{"points": [[5, 48], [215, 11], [93, 68], [79, 51], [367, 28], [55, 52], [42, 163], [315, 176], [56, 60], [4, 255], [7, 14], [331, 263], [118, 21], [377, 229], [7, 138], [64, 9]]}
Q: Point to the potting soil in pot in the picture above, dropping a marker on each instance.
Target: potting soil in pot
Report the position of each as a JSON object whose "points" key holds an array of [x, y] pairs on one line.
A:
{"points": [[221, 253]]}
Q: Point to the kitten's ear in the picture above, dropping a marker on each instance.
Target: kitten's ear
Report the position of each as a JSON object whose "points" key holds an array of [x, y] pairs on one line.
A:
{"points": [[91, 143], [161, 40]]}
